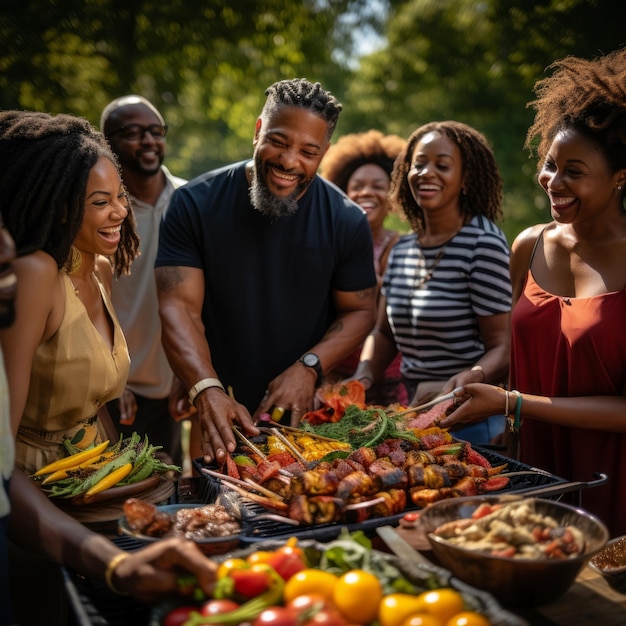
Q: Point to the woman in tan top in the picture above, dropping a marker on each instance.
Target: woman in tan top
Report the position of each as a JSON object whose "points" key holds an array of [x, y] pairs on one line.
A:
{"points": [[59, 185], [69, 217]]}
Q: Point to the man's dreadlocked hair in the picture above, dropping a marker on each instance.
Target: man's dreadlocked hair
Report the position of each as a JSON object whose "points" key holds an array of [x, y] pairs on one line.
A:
{"points": [[299, 92], [45, 162], [586, 96], [357, 149], [482, 181]]}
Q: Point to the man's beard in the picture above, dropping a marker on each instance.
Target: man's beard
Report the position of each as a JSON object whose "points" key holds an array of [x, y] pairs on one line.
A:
{"points": [[135, 166], [265, 202]]}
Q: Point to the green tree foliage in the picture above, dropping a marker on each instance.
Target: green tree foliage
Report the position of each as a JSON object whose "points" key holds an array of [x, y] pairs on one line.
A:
{"points": [[207, 63], [477, 62]]}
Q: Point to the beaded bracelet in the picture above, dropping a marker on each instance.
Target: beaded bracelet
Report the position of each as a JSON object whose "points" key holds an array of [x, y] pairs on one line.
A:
{"points": [[110, 570]]}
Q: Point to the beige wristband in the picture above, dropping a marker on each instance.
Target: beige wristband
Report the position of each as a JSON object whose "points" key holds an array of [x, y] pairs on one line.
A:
{"points": [[203, 384]]}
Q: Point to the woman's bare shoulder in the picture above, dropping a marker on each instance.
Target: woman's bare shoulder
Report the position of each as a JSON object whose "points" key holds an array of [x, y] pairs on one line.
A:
{"points": [[37, 266], [40, 295], [528, 237]]}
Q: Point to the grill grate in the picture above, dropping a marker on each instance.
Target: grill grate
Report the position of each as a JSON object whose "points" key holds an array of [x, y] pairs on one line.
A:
{"points": [[255, 529]]}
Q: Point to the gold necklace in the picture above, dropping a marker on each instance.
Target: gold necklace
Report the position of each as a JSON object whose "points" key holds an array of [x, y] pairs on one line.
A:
{"points": [[73, 285], [429, 270], [75, 288]]}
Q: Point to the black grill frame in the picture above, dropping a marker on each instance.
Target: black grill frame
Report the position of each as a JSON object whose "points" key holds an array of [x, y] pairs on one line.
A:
{"points": [[254, 529]]}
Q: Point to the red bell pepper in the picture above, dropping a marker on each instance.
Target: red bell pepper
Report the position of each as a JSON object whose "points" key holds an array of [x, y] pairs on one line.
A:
{"points": [[287, 561]]}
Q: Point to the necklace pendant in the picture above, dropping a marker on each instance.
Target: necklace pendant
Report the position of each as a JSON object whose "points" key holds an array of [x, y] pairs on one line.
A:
{"points": [[429, 269]]}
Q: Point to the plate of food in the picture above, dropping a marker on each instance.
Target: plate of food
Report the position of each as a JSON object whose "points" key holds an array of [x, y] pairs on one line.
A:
{"points": [[211, 526]]}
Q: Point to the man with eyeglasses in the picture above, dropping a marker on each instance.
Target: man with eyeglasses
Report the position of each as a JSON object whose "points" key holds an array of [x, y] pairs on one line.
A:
{"points": [[136, 131]]}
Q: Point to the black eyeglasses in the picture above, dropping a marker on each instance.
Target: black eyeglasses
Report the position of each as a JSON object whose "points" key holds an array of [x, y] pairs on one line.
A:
{"points": [[135, 132]]}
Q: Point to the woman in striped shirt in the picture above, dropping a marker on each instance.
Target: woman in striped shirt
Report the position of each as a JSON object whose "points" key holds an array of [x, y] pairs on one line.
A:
{"points": [[446, 293]]}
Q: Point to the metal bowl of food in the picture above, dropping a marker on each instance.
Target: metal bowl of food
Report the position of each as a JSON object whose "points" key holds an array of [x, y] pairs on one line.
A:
{"points": [[211, 526], [610, 563], [524, 551]]}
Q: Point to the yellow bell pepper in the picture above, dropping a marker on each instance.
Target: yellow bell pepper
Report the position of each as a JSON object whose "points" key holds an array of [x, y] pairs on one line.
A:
{"points": [[73, 460]]}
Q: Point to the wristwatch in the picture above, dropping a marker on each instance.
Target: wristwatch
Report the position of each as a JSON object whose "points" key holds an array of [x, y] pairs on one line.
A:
{"points": [[313, 361]]}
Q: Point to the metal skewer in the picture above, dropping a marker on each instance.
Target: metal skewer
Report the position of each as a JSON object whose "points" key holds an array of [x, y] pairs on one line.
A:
{"points": [[428, 405], [256, 450], [285, 440], [246, 484]]}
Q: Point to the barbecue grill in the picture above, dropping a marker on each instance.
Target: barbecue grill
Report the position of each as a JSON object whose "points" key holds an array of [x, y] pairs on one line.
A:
{"points": [[523, 479], [92, 601]]}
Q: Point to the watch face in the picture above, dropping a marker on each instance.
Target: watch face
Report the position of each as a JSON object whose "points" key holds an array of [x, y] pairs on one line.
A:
{"points": [[311, 360]]}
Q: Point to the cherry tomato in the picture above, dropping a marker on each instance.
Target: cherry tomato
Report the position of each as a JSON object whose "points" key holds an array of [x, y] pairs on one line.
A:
{"points": [[423, 619], [313, 609], [229, 565], [251, 582], [326, 617], [310, 581], [308, 603], [260, 556], [217, 607], [178, 616], [395, 608], [287, 561], [276, 616], [443, 603], [468, 618], [357, 595]]}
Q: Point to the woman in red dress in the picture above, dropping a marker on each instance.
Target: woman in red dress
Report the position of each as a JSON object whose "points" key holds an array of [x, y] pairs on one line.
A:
{"points": [[568, 348]]}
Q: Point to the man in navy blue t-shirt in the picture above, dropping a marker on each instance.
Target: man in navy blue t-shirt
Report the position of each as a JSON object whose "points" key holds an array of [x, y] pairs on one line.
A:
{"points": [[264, 273]]}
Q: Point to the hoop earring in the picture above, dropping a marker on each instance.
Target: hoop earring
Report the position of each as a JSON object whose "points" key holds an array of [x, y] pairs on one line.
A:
{"points": [[74, 260]]}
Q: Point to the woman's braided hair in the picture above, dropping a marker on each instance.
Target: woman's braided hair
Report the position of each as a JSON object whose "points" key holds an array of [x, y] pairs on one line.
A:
{"points": [[586, 96], [481, 177], [357, 149], [45, 161], [299, 92]]}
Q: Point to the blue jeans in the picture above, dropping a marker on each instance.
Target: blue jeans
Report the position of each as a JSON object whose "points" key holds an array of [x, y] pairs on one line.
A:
{"points": [[481, 432]]}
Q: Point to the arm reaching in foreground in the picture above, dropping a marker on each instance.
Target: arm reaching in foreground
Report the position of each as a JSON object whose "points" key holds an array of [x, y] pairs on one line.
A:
{"points": [[37, 524]]}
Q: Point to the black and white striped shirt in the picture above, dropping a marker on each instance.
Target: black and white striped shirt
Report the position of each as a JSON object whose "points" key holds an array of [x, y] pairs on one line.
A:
{"points": [[436, 325]]}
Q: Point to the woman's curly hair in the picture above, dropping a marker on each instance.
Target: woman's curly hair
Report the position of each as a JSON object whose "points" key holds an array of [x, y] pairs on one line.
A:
{"points": [[482, 181], [586, 96], [45, 161], [354, 150]]}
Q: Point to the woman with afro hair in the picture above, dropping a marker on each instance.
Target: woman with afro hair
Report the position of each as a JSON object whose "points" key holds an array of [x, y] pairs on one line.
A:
{"points": [[567, 403], [446, 295], [360, 164]]}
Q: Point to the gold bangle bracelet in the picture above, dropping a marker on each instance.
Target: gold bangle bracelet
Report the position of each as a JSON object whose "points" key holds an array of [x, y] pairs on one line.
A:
{"points": [[110, 570]]}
